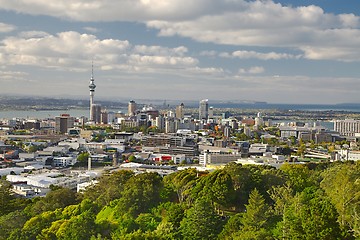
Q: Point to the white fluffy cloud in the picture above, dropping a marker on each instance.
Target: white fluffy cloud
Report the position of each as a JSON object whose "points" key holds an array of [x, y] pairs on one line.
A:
{"points": [[276, 31], [74, 51], [264, 23], [109, 10], [236, 22], [6, 27]]}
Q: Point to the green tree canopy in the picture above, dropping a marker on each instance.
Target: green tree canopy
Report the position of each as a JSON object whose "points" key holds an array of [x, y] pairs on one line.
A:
{"points": [[341, 184], [201, 221]]}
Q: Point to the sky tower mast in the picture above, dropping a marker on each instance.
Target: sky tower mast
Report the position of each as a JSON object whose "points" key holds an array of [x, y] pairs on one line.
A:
{"points": [[92, 87]]}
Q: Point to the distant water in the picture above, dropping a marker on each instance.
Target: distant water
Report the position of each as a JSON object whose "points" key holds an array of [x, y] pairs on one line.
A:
{"points": [[350, 107], [47, 113], [85, 112]]}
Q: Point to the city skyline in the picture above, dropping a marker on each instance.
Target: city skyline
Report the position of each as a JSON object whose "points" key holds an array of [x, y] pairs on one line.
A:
{"points": [[273, 51]]}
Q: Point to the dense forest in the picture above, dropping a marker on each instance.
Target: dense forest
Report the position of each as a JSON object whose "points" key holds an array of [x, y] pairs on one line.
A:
{"points": [[297, 201]]}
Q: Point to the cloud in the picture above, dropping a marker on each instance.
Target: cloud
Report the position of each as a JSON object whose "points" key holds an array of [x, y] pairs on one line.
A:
{"points": [[158, 50], [211, 53], [73, 51], [258, 55], [12, 75], [91, 29], [211, 70], [266, 24], [33, 34], [6, 27], [239, 23], [66, 49], [252, 70], [109, 10]]}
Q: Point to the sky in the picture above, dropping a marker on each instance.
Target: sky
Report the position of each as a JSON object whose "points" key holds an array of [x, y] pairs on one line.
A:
{"points": [[232, 50]]}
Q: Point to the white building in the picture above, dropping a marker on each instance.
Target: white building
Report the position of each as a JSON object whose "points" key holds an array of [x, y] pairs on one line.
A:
{"points": [[349, 155], [29, 191], [81, 187], [213, 158], [348, 127], [44, 180], [204, 109], [64, 161]]}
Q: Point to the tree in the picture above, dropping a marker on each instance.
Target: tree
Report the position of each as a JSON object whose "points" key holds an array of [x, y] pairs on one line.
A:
{"points": [[299, 176], [170, 212], [83, 157], [166, 231], [256, 213], [55, 199], [6, 197], [201, 221], [292, 140], [132, 158], [10, 222], [232, 226], [182, 182], [310, 215], [147, 222], [33, 148], [78, 227], [34, 226], [241, 137], [341, 184], [109, 187], [141, 193], [218, 187], [244, 180]]}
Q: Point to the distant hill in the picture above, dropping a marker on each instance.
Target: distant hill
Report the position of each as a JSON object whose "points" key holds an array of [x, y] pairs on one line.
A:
{"points": [[45, 103]]}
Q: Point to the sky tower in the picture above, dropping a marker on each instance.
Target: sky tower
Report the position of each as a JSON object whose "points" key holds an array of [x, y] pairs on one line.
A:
{"points": [[92, 87]]}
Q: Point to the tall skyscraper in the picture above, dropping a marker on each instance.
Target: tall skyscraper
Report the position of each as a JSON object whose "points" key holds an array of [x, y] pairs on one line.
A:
{"points": [[204, 109], [132, 108], [96, 113], [211, 112], [180, 111], [92, 87]]}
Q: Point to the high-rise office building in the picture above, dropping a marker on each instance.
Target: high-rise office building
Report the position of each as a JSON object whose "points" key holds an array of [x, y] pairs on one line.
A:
{"points": [[96, 113], [104, 117], [204, 109], [211, 112], [179, 113], [63, 123], [132, 108]]}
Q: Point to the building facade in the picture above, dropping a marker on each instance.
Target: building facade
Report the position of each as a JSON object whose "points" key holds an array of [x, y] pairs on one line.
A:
{"points": [[132, 108], [204, 109], [63, 123], [347, 127], [96, 113], [179, 113]]}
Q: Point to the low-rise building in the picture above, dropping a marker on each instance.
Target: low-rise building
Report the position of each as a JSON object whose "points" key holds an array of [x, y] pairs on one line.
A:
{"points": [[217, 158], [64, 161], [349, 155]]}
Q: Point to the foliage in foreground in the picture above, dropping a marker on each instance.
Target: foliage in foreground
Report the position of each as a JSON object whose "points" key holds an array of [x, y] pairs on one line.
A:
{"points": [[317, 201]]}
